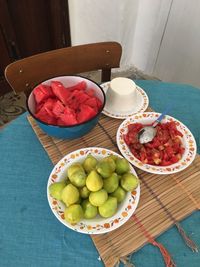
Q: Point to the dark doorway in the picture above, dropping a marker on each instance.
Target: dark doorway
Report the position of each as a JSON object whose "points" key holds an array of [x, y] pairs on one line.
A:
{"points": [[28, 27]]}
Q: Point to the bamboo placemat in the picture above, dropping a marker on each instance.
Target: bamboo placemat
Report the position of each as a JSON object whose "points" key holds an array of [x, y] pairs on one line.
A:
{"points": [[165, 199]]}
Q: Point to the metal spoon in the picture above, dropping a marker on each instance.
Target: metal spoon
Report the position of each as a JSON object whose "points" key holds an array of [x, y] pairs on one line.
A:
{"points": [[147, 133]]}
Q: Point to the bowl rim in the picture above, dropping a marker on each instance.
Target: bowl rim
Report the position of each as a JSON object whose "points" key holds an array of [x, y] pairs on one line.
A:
{"points": [[69, 126]]}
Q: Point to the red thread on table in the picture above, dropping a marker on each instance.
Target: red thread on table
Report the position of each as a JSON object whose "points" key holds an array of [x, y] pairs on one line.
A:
{"points": [[166, 256], [187, 192]]}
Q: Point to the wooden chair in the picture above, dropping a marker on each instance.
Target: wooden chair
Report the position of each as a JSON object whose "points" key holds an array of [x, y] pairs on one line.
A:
{"points": [[23, 75]]}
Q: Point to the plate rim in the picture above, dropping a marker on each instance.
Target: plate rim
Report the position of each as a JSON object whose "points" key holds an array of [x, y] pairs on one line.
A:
{"points": [[141, 91], [152, 168], [129, 195]]}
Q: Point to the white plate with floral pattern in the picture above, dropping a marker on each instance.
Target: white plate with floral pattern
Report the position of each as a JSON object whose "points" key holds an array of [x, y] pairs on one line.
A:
{"points": [[98, 225], [188, 142], [141, 104]]}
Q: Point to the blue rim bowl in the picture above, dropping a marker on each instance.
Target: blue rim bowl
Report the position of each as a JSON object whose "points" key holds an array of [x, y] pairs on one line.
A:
{"points": [[73, 131]]}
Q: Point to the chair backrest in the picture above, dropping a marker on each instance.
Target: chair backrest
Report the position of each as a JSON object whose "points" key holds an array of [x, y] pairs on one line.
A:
{"points": [[23, 75]]}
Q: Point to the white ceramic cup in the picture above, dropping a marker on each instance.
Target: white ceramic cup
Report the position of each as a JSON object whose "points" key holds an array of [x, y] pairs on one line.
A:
{"points": [[121, 95]]}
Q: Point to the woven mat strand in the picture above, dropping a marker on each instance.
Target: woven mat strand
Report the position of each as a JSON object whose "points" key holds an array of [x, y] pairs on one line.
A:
{"points": [[162, 203]]}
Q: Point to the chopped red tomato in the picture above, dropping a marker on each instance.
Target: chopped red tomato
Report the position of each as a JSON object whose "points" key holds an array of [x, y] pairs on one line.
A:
{"points": [[165, 149]]}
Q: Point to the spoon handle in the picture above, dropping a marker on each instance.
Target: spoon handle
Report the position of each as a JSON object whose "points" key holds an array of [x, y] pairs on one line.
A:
{"points": [[161, 116]]}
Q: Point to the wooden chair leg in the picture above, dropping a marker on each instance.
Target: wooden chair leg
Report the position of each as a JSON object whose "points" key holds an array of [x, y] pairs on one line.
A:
{"points": [[106, 75]]}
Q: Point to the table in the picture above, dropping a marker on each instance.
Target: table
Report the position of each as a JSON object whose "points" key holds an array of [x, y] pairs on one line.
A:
{"points": [[30, 235]]}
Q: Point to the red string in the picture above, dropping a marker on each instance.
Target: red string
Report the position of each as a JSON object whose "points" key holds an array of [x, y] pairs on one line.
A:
{"points": [[166, 256]]}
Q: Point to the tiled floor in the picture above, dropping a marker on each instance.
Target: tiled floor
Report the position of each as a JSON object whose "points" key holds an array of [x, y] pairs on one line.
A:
{"points": [[11, 105]]}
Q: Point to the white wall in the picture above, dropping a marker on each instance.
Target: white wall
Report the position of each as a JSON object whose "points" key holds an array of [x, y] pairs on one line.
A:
{"points": [[151, 19], [137, 24], [179, 56]]}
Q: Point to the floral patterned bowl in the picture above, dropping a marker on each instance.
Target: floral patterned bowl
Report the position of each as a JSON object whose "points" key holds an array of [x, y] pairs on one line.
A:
{"points": [[147, 118], [98, 225]]}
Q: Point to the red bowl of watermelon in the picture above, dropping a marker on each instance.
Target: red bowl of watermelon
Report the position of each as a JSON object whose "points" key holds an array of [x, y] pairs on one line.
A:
{"points": [[66, 106]]}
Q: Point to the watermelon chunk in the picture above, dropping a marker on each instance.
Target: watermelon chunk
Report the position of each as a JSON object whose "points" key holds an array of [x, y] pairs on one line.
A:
{"points": [[58, 108], [47, 106], [91, 92], [58, 105], [60, 91], [77, 98], [42, 92], [99, 103], [68, 117], [38, 107], [92, 103], [85, 113], [82, 97], [49, 103], [43, 115], [79, 86], [59, 122]]}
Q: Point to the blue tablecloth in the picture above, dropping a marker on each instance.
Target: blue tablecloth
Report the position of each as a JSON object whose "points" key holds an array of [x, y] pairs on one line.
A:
{"points": [[30, 235]]}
